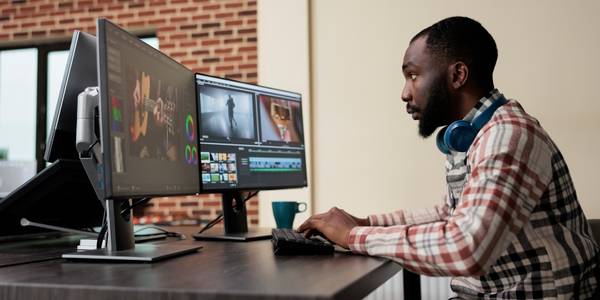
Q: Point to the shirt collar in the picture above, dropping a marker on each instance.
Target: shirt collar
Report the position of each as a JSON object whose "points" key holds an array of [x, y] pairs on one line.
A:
{"points": [[482, 104]]}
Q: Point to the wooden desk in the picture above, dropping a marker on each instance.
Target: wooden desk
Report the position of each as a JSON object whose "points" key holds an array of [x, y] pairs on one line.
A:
{"points": [[221, 270]]}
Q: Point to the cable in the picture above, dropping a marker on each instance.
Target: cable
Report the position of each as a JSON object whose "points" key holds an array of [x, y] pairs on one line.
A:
{"points": [[102, 231], [134, 204], [162, 232], [218, 219]]}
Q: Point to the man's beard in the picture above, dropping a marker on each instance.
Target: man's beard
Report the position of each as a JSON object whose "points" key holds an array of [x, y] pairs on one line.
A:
{"points": [[437, 110]]}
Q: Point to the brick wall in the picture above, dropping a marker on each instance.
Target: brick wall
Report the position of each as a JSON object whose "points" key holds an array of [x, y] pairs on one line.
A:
{"points": [[208, 36]]}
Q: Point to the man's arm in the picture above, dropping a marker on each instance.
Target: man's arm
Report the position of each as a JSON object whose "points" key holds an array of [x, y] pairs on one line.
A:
{"points": [[510, 172], [421, 216]]}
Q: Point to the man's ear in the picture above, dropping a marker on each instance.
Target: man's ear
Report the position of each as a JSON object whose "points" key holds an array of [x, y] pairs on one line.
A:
{"points": [[458, 73]]}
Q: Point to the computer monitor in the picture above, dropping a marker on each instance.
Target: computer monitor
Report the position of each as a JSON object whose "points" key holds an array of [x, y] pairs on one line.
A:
{"points": [[251, 138], [148, 119], [80, 72], [61, 194], [148, 136]]}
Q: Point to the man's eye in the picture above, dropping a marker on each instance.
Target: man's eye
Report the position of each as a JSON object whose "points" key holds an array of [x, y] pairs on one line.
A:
{"points": [[412, 76]]}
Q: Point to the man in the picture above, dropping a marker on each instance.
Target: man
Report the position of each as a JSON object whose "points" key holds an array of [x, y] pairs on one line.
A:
{"points": [[510, 225]]}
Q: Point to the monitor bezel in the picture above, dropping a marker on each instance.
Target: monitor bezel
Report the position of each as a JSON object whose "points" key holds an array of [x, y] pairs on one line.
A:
{"points": [[226, 190], [109, 192]]}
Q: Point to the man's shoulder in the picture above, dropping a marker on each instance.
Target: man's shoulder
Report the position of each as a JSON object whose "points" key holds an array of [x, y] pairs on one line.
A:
{"points": [[511, 124]]}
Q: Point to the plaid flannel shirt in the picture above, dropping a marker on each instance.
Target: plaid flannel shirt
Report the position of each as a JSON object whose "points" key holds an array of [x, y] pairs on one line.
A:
{"points": [[510, 225]]}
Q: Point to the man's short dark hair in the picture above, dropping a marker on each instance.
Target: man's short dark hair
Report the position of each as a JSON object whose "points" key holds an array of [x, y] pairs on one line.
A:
{"points": [[463, 39]]}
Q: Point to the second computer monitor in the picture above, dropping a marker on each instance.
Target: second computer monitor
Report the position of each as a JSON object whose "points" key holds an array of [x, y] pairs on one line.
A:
{"points": [[251, 137]]}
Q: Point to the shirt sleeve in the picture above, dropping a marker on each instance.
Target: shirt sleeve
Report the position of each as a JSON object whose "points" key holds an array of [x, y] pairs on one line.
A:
{"points": [[420, 216], [510, 169]]}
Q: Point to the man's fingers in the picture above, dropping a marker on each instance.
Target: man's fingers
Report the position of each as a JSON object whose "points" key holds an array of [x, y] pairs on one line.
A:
{"points": [[310, 224]]}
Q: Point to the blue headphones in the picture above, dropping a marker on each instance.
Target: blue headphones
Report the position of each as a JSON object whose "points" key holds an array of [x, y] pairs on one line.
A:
{"points": [[459, 135]]}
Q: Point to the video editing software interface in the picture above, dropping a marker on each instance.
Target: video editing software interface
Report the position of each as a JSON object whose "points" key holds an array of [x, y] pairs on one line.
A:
{"points": [[250, 136], [152, 129]]}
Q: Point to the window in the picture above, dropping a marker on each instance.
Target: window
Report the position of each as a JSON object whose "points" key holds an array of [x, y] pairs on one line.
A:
{"points": [[30, 80]]}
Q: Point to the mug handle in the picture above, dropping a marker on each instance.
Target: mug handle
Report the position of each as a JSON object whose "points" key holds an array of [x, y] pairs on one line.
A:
{"points": [[298, 210]]}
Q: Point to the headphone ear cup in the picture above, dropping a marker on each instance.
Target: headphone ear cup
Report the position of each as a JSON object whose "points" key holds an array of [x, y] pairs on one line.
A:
{"points": [[439, 141], [459, 136]]}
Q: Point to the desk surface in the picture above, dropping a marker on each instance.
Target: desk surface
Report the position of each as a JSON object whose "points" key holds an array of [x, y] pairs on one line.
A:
{"points": [[221, 270]]}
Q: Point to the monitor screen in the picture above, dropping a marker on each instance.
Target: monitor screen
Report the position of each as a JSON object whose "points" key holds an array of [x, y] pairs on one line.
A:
{"points": [[80, 72], [251, 137], [148, 118]]}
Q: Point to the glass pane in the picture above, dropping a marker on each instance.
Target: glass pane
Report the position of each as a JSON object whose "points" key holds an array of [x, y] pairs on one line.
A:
{"points": [[152, 41], [18, 84], [57, 60]]}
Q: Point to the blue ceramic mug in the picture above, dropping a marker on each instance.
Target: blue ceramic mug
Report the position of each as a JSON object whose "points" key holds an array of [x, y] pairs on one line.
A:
{"points": [[285, 211]]}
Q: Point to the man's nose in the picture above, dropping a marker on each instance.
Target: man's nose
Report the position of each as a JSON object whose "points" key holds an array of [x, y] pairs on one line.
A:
{"points": [[406, 95]]}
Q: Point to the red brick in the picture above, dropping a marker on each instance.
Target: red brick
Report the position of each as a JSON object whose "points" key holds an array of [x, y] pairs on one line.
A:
{"points": [[211, 203], [247, 49], [179, 19], [188, 44], [234, 5], [66, 21], [224, 51], [234, 58], [178, 54], [234, 75], [28, 24], [200, 17], [224, 68], [135, 24], [164, 46], [189, 62], [247, 13], [248, 66], [20, 35], [235, 40], [205, 70], [188, 26], [223, 32], [211, 60], [167, 11], [178, 36], [157, 21], [223, 15], [234, 23], [46, 7], [210, 42], [189, 9], [125, 16], [200, 52], [146, 13], [10, 26], [9, 11], [199, 35], [166, 28], [211, 7], [246, 30]]}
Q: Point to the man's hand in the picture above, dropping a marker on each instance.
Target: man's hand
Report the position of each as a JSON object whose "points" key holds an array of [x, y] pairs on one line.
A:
{"points": [[335, 225]]}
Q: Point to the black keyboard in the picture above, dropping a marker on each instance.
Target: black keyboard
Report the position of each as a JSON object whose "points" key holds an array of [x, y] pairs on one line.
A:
{"points": [[290, 242]]}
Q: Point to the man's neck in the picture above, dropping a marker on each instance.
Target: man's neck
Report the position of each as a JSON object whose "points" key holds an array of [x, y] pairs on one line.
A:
{"points": [[468, 100]]}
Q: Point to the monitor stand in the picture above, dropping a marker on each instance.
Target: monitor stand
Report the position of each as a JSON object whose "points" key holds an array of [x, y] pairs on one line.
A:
{"points": [[235, 221], [121, 243]]}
